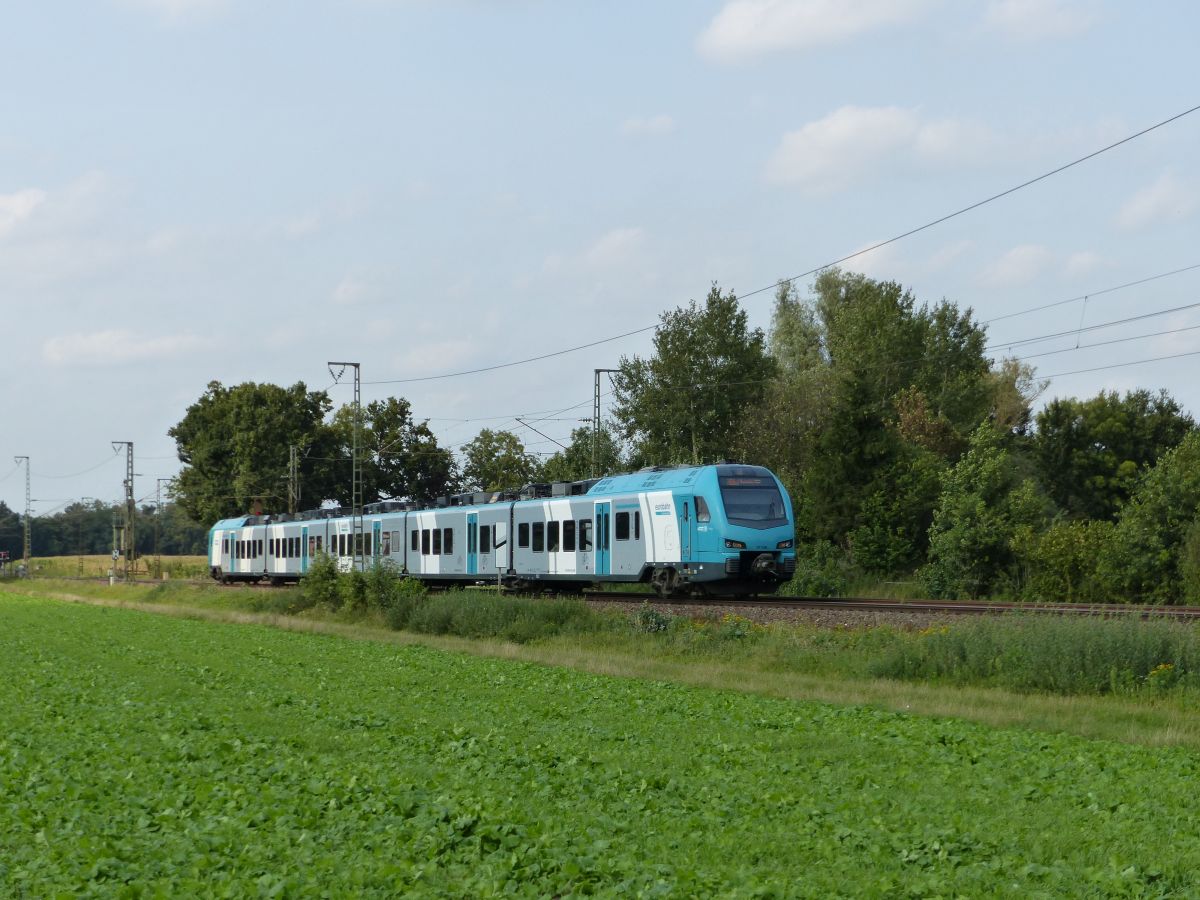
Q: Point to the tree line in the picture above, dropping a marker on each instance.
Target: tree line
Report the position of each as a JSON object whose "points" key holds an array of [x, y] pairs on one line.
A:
{"points": [[910, 452], [87, 529]]}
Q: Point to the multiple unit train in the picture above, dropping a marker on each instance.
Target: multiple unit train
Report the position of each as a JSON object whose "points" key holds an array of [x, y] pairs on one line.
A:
{"points": [[721, 529]]}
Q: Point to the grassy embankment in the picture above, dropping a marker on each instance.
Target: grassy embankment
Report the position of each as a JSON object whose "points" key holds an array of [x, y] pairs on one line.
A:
{"points": [[1123, 680], [98, 566], [162, 757]]}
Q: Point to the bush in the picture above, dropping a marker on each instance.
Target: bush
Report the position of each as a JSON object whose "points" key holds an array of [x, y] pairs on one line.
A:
{"points": [[650, 620], [820, 572], [320, 584], [1061, 562], [1052, 654], [475, 614]]}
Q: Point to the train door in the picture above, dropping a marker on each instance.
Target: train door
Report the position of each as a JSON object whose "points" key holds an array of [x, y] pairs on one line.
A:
{"points": [[226, 557], [233, 551], [685, 533], [603, 557], [472, 543], [376, 540], [303, 549]]}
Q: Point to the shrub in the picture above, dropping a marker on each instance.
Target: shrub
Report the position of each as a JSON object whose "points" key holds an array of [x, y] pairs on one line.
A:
{"points": [[820, 572], [650, 620], [1058, 655], [352, 591], [475, 614], [320, 584], [1061, 562]]}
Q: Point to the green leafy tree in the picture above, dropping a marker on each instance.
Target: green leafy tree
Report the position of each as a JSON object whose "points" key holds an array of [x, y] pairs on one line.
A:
{"points": [[497, 460], [1091, 453], [685, 402], [233, 443], [986, 503], [575, 462], [1142, 562], [401, 457], [1061, 562]]}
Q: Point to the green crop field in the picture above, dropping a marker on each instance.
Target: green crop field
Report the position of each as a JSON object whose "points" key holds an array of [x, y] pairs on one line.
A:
{"points": [[148, 756]]}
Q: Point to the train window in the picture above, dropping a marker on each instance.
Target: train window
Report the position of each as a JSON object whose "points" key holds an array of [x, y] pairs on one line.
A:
{"points": [[485, 538], [637, 525], [416, 540], [224, 546], [447, 540], [387, 543], [523, 534], [568, 536], [295, 554], [622, 526], [585, 535], [539, 537], [318, 543], [702, 513], [552, 537], [369, 540], [437, 541], [396, 541], [425, 541]]}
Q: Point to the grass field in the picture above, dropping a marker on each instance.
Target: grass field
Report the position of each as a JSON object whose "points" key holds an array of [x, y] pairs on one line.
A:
{"points": [[97, 566], [156, 756]]}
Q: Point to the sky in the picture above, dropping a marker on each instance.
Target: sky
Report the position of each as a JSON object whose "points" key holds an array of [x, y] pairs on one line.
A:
{"points": [[243, 190]]}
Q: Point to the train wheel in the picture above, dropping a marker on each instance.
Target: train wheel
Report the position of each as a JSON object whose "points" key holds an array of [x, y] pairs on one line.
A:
{"points": [[664, 582]]}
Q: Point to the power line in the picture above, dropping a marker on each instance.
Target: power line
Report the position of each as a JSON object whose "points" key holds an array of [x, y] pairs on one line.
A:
{"points": [[1136, 337], [85, 471], [1097, 327], [1136, 362], [813, 271], [1109, 290]]}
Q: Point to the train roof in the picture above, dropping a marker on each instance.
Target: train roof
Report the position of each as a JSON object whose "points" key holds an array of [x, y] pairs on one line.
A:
{"points": [[654, 478], [663, 478]]}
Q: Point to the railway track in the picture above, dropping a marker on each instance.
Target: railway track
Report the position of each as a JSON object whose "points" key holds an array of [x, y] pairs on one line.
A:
{"points": [[859, 604], [866, 604]]}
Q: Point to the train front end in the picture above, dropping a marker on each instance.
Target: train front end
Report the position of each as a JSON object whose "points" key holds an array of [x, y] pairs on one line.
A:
{"points": [[745, 540]]}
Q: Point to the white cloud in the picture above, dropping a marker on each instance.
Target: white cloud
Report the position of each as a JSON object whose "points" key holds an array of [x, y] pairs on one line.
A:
{"points": [[1084, 262], [1018, 266], [1031, 20], [828, 153], [438, 356], [1169, 199], [651, 126], [116, 346], [349, 291], [612, 249], [302, 226], [615, 247], [749, 28], [15, 208]]}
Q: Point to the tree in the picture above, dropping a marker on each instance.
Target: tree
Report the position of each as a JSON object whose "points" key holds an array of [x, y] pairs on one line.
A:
{"points": [[1142, 562], [986, 505], [496, 461], [401, 457], [1090, 453], [233, 443], [575, 462], [684, 403]]}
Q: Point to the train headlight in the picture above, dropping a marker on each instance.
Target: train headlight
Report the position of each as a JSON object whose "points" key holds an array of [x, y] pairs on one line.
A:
{"points": [[734, 545], [784, 545]]}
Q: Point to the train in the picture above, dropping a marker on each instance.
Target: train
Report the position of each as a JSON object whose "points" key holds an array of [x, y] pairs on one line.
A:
{"points": [[724, 529]]}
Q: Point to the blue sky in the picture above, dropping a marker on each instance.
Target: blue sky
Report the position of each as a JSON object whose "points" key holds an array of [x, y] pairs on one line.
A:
{"points": [[233, 190]]}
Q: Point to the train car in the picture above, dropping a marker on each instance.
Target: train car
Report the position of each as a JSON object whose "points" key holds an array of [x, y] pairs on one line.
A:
{"points": [[721, 529]]}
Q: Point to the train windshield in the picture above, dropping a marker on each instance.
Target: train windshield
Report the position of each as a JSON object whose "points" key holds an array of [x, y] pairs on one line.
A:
{"points": [[753, 500]]}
